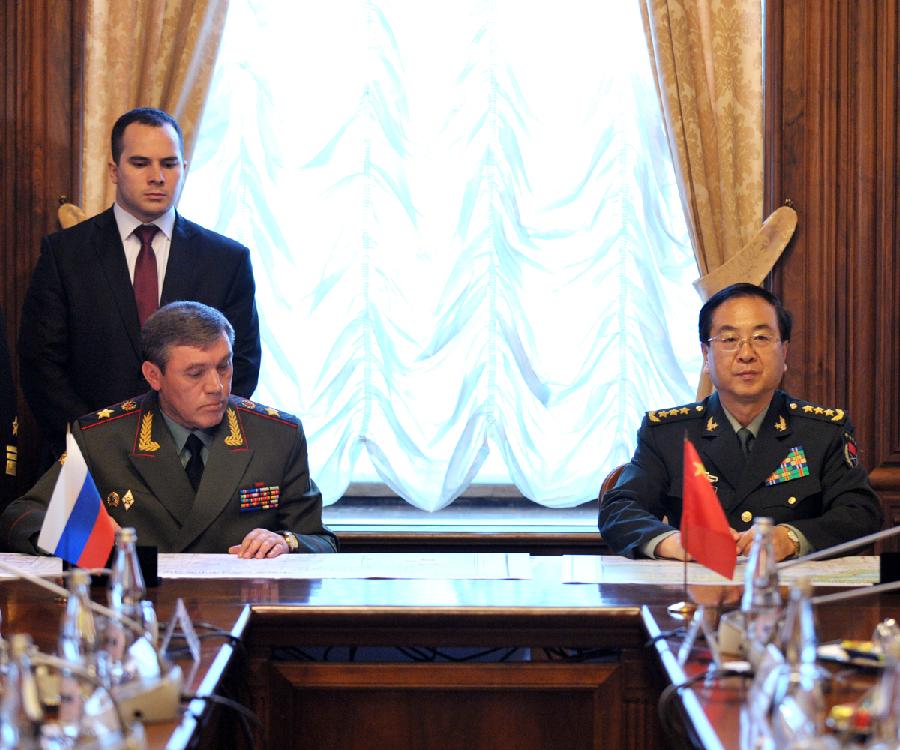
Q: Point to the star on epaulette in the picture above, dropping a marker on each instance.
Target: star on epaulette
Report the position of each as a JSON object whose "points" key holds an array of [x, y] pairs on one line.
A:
{"points": [[804, 409], [107, 414], [261, 410], [675, 413], [94, 418]]}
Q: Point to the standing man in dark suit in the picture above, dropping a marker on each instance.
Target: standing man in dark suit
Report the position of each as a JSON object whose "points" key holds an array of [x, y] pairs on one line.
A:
{"points": [[95, 283], [765, 452], [190, 467]]}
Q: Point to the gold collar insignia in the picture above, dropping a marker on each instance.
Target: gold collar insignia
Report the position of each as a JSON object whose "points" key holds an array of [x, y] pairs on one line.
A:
{"points": [[146, 443], [235, 437]]}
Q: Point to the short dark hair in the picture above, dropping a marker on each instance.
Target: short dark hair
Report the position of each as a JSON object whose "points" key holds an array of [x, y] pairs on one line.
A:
{"points": [[785, 321], [143, 116], [182, 324]]}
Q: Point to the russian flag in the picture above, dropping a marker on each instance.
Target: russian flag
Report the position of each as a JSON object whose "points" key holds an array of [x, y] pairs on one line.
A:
{"points": [[77, 527]]}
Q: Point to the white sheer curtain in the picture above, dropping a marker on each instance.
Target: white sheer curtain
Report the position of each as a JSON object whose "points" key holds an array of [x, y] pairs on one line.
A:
{"points": [[466, 236]]}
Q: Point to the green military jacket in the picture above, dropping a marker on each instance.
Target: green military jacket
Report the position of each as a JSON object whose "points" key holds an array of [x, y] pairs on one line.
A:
{"points": [[256, 476]]}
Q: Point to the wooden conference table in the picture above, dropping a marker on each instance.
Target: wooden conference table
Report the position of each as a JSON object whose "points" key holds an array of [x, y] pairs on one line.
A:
{"points": [[453, 659]]}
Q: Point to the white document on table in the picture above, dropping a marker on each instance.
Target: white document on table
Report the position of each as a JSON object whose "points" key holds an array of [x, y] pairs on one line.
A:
{"points": [[37, 565], [450, 565]]}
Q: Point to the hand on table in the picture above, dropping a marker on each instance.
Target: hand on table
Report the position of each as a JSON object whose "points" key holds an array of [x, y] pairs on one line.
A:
{"points": [[782, 545], [260, 543]]}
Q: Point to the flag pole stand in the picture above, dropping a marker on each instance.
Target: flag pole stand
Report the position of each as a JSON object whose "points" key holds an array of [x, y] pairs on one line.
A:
{"points": [[684, 609]]}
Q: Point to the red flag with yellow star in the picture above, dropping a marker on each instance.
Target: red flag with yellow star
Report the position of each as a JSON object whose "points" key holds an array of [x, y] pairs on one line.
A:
{"points": [[704, 529]]}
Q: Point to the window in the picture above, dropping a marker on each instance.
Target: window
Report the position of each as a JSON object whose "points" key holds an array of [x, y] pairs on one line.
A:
{"points": [[470, 254]]}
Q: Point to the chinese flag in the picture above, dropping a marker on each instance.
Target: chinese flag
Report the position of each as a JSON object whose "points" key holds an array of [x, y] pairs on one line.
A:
{"points": [[704, 529]]}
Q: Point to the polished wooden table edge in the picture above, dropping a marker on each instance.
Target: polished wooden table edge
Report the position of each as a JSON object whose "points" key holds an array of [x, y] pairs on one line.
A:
{"points": [[198, 709], [273, 611], [676, 675], [614, 626]]}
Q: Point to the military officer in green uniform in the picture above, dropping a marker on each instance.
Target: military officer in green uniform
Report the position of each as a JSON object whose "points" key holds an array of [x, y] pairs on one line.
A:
{"points": [[190, 467], [765, 452]]}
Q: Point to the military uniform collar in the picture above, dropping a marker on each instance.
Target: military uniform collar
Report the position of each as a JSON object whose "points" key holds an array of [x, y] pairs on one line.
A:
{"points": [[775, 416], [754, 425], [180, 433]]}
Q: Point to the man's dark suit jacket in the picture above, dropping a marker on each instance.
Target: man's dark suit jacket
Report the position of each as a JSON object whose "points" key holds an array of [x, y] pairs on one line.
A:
{"points": [[80, 339], [256, 476], [802, 470]]}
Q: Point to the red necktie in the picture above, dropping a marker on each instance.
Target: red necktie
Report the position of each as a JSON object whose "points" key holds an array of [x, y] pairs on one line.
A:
{"points": [[146, 285]]}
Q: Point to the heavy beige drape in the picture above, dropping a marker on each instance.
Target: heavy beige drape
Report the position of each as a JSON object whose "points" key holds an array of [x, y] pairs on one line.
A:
{"points": [[155, 53], [707, 60], [706, 57]]}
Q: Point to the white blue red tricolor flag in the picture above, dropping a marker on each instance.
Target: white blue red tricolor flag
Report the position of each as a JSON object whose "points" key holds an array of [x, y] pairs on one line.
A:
{"points": [[77, 527]]}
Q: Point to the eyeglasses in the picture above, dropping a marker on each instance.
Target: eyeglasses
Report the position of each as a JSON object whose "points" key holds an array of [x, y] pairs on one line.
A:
{"points": [[729, 342]]}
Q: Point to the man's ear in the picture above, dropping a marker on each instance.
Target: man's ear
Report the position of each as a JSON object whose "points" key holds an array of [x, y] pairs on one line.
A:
{"points": [[113, 172], [785, 346], [152, 374], [704, 348]]}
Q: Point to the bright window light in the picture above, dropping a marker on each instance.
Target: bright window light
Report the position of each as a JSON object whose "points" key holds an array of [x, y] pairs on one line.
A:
{"points": [[471, 258]]}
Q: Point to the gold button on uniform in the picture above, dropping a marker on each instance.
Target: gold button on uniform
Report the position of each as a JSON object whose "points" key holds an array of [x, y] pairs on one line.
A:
{"points": [[792, 500], [746, 516]]}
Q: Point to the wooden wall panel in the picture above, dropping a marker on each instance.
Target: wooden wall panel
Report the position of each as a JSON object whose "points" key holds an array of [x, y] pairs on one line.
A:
{"points": [[832, 150], [41, 64], [439, 705]]}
